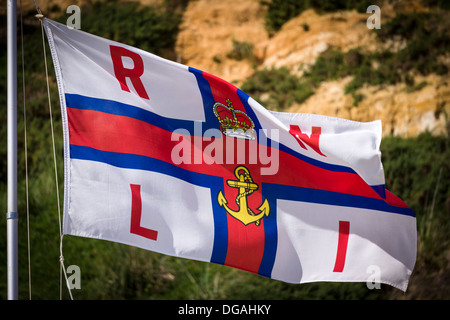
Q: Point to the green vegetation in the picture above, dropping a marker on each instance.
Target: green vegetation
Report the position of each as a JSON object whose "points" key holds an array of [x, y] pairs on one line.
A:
{"points": [[151, 28], [284, 88], [428, 37]]}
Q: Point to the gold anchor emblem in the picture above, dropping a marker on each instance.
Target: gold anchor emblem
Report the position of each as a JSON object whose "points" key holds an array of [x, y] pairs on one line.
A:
{"points": [[246, 187]]}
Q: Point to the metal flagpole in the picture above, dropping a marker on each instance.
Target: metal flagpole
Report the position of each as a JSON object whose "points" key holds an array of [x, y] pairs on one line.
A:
{"points": [[12, 216]]}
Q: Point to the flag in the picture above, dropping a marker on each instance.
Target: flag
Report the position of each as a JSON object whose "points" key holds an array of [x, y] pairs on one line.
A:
{"points": [[174, 160]]}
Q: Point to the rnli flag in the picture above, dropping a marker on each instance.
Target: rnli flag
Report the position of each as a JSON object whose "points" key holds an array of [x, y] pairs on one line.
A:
{"points": [[172, 159]]}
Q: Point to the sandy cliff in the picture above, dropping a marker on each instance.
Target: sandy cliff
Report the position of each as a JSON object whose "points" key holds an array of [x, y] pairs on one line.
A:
{"points": [[210, 26]]}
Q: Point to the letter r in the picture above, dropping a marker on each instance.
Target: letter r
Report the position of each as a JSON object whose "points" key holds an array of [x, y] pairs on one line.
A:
{"points": [[134, 74]]}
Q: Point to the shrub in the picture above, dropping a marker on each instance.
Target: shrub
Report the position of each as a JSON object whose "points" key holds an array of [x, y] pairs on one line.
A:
{"points": [[428, 37], [417, 170]]}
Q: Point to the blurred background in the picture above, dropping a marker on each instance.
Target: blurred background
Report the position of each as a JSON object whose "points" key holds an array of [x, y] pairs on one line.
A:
{"points": [[296, 56]]}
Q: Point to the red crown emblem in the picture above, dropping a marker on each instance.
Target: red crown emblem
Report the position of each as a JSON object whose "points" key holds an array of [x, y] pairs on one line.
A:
{"points": [[234, 123]]}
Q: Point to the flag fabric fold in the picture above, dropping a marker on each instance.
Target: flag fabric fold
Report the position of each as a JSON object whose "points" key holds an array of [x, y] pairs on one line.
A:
{"points": [[172, 159]]}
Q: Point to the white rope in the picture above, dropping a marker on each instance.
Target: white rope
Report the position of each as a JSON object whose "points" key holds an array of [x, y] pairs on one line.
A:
{"points": [[61, 258], [26, 150], [37, 7], [61, 261]]}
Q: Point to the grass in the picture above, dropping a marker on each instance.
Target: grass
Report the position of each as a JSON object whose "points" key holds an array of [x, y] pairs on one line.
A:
{"points": [[149, 28], [242, 50], [427, 35]]}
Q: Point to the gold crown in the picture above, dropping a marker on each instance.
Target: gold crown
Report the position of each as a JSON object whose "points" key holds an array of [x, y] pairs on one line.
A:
{"points": [[234, 123]]}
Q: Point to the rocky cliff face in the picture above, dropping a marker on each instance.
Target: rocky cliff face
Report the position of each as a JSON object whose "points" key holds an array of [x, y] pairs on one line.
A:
{"points": [[210, 27]]}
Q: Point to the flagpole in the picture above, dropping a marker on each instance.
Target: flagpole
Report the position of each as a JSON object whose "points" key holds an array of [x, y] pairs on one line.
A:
{"points": [[12, 216]]}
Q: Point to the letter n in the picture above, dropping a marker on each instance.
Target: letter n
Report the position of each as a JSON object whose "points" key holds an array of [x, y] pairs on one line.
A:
{"points": [[74, 279], [134, 74], [312, 141]]}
